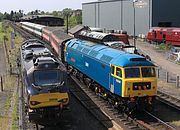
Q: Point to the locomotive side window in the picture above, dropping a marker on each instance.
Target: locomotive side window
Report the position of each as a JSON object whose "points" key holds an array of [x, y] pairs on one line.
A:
{"points": [[112, 69], [118, 72]]}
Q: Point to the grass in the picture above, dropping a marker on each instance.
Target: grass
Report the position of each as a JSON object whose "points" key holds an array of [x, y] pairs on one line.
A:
{"points": [[1, 33], [4, 31], [177, 62], [163, 47], [7, 104], [10, 80], [4, 119], [176, 123], [15, 115]]}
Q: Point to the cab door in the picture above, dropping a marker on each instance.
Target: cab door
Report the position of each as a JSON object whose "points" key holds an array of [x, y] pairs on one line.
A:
{"points": [[118, 80], [111, 79], [115, 84]]}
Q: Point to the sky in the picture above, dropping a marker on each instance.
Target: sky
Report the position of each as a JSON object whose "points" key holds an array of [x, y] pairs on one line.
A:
{"points": [[43, 5]]}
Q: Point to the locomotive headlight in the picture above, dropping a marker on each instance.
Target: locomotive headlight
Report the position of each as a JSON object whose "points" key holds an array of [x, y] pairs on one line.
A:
{"points": [[64, 100], [29, 91], [34, 103]]}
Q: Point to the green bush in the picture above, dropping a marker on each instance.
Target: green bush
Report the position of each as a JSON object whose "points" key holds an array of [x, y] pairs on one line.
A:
{"points": [[163, 46]]}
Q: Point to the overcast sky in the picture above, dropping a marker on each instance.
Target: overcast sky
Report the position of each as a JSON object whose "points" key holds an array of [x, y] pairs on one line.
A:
{"points": [[43, 5]]}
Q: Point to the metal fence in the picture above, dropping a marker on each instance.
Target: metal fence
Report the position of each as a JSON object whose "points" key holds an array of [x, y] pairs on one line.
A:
{"points": [[168, 77]]}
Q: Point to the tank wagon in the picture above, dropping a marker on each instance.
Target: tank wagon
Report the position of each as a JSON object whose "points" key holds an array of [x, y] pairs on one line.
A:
{"points": [[44, 81]]}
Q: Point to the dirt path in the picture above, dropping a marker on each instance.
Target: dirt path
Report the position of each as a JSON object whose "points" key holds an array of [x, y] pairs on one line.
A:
{"points": [[2, 60]]}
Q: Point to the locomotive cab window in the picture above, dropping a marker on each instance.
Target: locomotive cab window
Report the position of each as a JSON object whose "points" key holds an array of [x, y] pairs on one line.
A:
{"points": [[119, 72], [44, 78], [148, 72], [132, 72], [112, 69]]}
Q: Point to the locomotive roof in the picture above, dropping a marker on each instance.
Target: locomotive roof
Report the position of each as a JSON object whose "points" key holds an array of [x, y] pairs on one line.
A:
{"points": [[34, 56], [109, 55]]}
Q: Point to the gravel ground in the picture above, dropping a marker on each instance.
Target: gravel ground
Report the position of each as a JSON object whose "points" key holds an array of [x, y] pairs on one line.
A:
{"points": [[3, 95], [158, 57], [2, 60]]}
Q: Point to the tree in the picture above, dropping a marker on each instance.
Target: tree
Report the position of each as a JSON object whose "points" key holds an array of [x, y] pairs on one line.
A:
{"points": [[21, 13], [36, 12], [12, 15], [1, 16], [42, 12], [55, 13], [66, 12], [7, 16]]}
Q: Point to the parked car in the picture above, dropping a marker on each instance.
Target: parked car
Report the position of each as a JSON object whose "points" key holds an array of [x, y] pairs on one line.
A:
{"points": [[174, 54]]}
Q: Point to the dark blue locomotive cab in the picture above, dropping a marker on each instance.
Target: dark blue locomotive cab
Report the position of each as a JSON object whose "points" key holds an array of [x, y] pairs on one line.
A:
{"points": [[125, 75], [44, 78]]}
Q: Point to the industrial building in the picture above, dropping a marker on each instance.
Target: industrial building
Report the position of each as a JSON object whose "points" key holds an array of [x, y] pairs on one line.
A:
{"points": [[131, 15]]}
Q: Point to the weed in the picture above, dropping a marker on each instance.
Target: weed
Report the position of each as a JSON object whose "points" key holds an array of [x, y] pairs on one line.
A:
{"points": [[15, 115]]}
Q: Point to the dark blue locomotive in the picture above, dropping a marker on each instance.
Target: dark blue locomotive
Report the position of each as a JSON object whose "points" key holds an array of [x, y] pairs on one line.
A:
{"points": [[44, 79]]}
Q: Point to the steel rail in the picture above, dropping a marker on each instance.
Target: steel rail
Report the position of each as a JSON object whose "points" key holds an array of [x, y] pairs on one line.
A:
{"points": [[161, 121]]}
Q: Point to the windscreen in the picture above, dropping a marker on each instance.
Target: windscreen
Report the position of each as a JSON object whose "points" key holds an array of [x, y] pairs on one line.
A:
{"points": [[132, 73], [148, 72], [47, 77]]}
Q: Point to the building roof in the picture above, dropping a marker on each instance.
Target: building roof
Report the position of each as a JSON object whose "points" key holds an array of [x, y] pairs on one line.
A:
{"points": [[28, 17], [77, 29]]}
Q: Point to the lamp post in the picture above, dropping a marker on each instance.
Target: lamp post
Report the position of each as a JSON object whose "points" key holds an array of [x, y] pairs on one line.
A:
{"points": [[134, 16], [138, 4]]}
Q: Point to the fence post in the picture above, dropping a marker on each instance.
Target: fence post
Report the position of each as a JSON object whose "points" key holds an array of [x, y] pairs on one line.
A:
{"points": [[167, 77], [177, 81], [10, 67], [158, 72], [1, 84]]}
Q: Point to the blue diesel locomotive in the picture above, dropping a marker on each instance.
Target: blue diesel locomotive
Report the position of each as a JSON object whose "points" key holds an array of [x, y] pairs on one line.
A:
{"points": [[126, 78]]}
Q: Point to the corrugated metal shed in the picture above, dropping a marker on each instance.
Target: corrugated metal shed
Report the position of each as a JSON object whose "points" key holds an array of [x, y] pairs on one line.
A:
{"points": [[119, 15]]}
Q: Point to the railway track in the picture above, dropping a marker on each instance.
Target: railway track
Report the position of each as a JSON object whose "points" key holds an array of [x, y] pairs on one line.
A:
{"points": [[168, 99], [141, 122], [162, 125], [114, 118], [23, 33]]}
